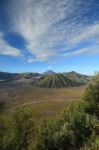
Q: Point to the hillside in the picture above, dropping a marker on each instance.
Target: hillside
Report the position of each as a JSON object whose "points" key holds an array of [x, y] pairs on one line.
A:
{"points": [[26, 76], [48, 79], [77, 77], [5, 76], [18, 77], [55, 81]]}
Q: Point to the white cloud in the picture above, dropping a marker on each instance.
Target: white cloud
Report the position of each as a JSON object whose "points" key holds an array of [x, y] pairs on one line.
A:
{"points": [[89, 33], [35, 21], [91, 50], [46, 24], [6, 49]]}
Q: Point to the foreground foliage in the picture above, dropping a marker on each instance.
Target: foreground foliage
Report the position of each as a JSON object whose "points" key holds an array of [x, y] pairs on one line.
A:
{"points": [[71, 129]]}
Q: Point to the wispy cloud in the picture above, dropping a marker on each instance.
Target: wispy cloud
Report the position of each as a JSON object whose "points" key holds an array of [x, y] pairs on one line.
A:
{"points": [[91, 50], [51, 28], [6, 49], [90, 33]]}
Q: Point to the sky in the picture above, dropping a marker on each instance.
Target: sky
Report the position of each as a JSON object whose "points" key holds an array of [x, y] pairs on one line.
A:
{"points": [[37, 35]]}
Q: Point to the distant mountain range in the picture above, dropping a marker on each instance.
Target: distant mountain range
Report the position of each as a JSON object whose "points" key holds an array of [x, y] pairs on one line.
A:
{"points": [[48, 79], [5, 76]]}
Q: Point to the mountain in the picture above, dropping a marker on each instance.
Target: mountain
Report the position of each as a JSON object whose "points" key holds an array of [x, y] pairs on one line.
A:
{"points": [[48, 72], [5, 76], [55, 81], [27, 75], [27, 78], [48, 79], [16, 77], [77, 77]]}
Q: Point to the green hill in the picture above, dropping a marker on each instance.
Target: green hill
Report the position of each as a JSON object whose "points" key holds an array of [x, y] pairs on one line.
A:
{"points": [[77, 77], [55, 81]]}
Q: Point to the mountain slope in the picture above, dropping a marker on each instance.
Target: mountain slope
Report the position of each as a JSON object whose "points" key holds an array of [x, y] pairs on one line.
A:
{"points": [[15, 77], [48, 72], [55, 81], [26, 78], [27, 75], [77, 77], [5, 76]]}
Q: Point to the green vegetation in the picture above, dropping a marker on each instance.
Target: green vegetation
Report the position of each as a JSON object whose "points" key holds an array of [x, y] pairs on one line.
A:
{"points": [[55, 81], [91, 97], [74, 128]]}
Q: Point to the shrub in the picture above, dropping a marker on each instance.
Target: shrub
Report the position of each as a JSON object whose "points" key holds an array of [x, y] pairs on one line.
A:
{"points": [[24, 129], [91, 97], [2, 133]]}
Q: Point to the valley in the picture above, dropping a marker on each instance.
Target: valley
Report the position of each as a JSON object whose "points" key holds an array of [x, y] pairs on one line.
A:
{"points": [[19, 95], [47, 92], [32, 101]]}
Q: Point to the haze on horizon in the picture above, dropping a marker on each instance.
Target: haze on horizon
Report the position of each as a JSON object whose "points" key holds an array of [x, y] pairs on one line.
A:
{"points": [[36, 35]]}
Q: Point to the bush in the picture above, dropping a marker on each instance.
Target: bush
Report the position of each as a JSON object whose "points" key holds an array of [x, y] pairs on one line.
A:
{"points": [[95, 144], [69, 130], [2, 133], [24, 129], [75, 126], [91, 97]]}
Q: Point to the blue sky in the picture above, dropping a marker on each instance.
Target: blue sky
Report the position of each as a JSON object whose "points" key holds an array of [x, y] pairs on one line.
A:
{"points": [[37, 35]]}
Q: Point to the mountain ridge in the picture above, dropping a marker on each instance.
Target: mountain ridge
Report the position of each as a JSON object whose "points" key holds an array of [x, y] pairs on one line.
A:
{"points": [[48, 79], [58, 80], [77, 77]]}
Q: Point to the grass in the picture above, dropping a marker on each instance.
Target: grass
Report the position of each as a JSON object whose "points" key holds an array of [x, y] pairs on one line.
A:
{"points": [[47, 109], [18, 97], [43, 103], [40, 111]]}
